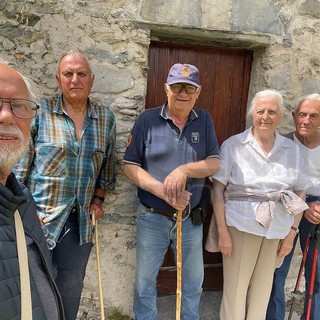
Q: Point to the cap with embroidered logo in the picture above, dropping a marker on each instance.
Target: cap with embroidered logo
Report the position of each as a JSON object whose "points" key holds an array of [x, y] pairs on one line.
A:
{"points": [[184, 73]]}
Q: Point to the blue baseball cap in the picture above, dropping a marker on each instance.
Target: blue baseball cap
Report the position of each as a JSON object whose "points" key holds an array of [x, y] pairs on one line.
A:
{"points": [[184, 73]]}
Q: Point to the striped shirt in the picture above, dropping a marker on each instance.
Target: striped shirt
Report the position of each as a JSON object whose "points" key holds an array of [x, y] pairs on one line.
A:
{"points": [[62, 172]]}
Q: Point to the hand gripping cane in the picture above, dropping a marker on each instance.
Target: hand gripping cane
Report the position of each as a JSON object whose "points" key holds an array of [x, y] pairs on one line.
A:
{"points": [[179, 259], [95, 230]]}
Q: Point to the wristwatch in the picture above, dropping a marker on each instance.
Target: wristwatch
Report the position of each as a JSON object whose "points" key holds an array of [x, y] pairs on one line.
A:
{"points": [[295, 229], [98, 198]]}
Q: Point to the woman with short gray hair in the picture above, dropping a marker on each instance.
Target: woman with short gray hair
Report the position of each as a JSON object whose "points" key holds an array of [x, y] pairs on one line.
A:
{"points": [[257, 207]]}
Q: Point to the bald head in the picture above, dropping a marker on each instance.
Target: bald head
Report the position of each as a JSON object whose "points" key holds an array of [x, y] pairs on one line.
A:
{"points": [[12, 85]]}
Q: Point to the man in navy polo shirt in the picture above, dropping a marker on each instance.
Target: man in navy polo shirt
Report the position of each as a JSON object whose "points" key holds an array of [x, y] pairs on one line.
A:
{"points": [[168, 145]]}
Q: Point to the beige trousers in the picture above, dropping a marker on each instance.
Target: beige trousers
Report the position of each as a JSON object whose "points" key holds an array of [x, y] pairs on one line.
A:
{"points": [[248, 276]]}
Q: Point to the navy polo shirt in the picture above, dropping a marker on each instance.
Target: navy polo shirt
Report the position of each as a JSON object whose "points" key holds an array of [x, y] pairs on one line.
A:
{"points": [[159, 147]]}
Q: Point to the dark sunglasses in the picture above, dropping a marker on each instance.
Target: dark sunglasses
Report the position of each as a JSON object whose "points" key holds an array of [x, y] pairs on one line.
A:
{"points": [[177, 88]]}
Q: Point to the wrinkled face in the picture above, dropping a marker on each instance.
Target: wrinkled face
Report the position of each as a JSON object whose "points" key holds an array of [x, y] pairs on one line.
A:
{"points": [[307, 118], [181, 102], [75, 78], [266, 114], [14, 132]]}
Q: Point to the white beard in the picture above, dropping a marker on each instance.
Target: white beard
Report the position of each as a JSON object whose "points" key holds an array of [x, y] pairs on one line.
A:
{"points": [[9, 154]]}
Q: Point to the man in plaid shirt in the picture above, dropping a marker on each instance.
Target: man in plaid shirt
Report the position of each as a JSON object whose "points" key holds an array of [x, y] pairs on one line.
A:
{"points": [[68, 169]]}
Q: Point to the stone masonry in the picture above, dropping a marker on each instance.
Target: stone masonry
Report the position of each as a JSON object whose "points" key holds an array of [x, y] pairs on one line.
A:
{"points": [[115, 36]]}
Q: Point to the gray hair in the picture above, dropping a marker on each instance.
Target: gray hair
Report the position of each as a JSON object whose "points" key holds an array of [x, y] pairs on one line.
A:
{"points": [[27, 82], [313, 96], [268, 93], [72, 52]]}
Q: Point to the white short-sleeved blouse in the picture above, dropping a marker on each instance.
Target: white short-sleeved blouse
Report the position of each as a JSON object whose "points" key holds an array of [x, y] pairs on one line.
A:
{"points": [[242, 162], [311, 159]]}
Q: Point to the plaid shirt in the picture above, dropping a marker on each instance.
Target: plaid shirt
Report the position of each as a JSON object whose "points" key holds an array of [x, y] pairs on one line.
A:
{"points": [[61, 171]]}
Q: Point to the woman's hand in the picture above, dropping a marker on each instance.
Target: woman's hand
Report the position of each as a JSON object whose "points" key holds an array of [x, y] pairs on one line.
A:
{"points": [[225, 243], [286, 244]]}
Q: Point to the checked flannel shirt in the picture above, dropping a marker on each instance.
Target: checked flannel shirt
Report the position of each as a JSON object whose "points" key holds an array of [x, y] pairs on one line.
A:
{"points": [[61, 171]]}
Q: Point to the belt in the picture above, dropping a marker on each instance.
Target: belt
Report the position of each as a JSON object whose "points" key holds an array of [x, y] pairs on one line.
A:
{"points": [[312, 198], [169, 214]]}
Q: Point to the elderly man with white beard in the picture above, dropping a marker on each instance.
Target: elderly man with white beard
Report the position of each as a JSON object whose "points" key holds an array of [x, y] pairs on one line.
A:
{"points": [[17, 108]]}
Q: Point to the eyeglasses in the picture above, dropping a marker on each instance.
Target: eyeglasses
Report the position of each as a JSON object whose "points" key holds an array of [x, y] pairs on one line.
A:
{"points": [[177, 88], [21, 108]]}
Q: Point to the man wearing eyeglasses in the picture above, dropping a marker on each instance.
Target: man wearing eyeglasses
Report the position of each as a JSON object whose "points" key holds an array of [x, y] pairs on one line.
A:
{"points": [[17, 108], [169, 145], [69, 168], [306, 117]]}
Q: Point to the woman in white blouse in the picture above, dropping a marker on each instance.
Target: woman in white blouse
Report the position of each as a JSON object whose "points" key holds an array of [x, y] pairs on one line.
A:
{"points": [[256, 207]]}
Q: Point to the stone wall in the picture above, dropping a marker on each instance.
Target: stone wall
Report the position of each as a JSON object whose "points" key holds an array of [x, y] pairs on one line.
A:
{"points": [[115, 35]]}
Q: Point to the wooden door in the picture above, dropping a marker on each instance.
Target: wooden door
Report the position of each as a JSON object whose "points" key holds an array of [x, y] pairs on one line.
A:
{"points": [[224, 77]]}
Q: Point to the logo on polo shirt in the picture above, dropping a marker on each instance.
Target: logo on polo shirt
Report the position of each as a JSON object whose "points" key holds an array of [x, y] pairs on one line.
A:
{"points": [[195, 137]]}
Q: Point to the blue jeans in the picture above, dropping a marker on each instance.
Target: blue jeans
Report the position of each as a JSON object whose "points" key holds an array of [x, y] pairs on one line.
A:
{"points": [[155, 233], [277, 303], [70, 262], [276, 307]]}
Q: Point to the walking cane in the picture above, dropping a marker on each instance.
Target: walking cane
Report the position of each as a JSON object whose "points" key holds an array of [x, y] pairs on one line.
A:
{"points": [[179, 259], [313, 273], [312, 235], [95, 229], [315, 237]]}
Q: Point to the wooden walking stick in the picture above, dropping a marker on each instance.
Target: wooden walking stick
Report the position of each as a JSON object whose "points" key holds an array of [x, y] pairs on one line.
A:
{"points": [[95, 228], [179, 259], [179, 264]]}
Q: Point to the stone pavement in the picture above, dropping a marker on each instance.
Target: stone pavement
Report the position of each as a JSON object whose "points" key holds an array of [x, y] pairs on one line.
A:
{"points": [[209, 307]]}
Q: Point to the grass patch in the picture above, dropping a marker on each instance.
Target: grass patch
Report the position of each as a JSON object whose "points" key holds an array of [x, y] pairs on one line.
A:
{"points": [[117, 314]]}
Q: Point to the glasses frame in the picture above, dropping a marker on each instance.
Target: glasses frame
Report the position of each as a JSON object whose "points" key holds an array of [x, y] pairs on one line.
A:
{"points": [[183, 86], [9, 101]]}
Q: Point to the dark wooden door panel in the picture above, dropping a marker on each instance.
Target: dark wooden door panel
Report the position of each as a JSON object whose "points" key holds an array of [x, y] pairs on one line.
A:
{"points": [[225, 78]]}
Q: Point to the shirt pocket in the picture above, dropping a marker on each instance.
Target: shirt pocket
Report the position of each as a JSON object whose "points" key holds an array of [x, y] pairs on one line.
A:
{"points": [[98, 157], [51, 160]]}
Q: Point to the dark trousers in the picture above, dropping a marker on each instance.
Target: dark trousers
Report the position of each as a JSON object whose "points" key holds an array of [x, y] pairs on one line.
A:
{"points": [[70, 262]]}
